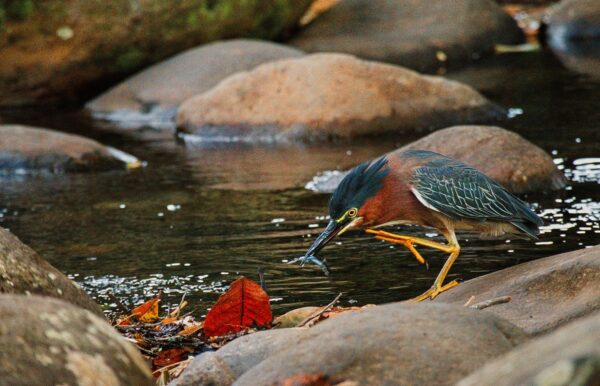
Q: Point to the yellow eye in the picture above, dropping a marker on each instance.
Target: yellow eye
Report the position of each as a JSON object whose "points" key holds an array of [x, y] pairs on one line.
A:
{"points": [[352, 212]]}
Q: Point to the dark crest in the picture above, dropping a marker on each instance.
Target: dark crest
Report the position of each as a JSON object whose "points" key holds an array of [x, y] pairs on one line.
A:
{"points": [[363, 182]]}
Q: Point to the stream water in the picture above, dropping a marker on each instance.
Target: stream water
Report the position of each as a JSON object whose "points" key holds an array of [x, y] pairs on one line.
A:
{"points": [[195, 218]]}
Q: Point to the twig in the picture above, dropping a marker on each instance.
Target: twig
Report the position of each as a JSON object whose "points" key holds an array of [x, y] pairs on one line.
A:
{"points": [[177, 310], [115, 300], [261, 278], [320, 312], [491, 302], [468, 303]]}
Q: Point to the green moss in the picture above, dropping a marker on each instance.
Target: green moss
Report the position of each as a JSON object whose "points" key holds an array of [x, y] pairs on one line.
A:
{"points": [[129, 60], [17, 10]]}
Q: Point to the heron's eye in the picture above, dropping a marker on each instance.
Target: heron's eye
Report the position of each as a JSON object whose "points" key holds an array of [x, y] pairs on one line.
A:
{"points": [[352, 212]]}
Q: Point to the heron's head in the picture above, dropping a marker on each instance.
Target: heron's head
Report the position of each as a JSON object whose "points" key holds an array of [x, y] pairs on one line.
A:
{"points": [[347, 201]]}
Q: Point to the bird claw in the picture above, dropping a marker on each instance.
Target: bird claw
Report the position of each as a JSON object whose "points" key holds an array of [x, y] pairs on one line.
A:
{"points": [[312, 260]]}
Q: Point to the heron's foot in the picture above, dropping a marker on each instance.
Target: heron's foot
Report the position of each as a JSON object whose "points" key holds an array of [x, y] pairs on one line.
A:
{"points": [[407, 241], [434, 291]]}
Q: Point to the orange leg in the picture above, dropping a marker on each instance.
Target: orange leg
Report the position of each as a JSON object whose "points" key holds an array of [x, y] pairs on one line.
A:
{"points": [[452, 248]]}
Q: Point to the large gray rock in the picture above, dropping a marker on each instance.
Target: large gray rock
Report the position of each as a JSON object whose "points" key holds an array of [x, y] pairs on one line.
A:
{"points": [[508, 158], [574, 20], [325, 96], [57, 50], [153, 95], [24, 148], [394, 344], [44, 341], [573, 33], [570, 356], [546, 293], [422, 35], [223, 367], [23, 271]]}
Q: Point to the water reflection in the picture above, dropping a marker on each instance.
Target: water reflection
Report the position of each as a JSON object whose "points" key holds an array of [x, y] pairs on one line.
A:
{"points": [[196, 218]]}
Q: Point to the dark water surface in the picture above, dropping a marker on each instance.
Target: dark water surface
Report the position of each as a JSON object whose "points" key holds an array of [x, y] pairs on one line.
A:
{"points": [[196, 218]]}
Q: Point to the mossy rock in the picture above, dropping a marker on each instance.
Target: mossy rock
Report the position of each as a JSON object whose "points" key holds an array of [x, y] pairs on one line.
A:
{"points": [[87, 43]]}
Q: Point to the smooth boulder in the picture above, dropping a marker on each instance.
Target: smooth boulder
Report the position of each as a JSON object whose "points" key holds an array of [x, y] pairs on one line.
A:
{"points": [[423, 35], [517, 164], [574, 20], [394, 344], [55, 51], [329, 96], [46, 341], [223, 367], [154, 94], [567, 357], [23, 271], [545, 293], [30, 149]]}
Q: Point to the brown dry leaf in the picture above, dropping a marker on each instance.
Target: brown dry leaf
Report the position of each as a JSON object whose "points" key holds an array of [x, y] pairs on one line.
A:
{"points": [[294, 317], [169, 320], [194, 328]]}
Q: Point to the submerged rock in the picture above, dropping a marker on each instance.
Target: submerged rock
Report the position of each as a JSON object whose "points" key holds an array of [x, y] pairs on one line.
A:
{"points": [[394, 344], [329, 96], [568, 356], [223, 367], [23, 271], [57, 50], [508, 158], [422, 35], [26, 149], [45, 341], [545, 293], [153, 95]]}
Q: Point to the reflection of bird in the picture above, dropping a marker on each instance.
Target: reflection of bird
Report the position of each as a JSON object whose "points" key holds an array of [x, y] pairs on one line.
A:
{"points": [[423, 188]]}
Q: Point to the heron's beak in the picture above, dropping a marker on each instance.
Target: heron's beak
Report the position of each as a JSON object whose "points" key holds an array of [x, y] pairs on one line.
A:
{"points": [[332, 230]]}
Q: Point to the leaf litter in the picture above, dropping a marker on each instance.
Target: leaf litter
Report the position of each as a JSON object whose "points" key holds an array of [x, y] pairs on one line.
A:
{"points": [[169, 342]]}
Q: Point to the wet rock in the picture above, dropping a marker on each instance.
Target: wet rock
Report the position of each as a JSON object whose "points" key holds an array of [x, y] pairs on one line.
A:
{"points": [[546, 293], [59, 50], [207, 369], [26, 149], [153, 95], [45, 341], [23, 271], [574, 20], [423, 35], [394, 344], [524, 167], [580, 56], [566, 357], [325, 96], [237, 357]]}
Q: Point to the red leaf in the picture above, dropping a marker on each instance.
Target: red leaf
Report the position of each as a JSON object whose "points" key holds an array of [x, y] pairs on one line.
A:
{"points": [[245, 304], [168, 357]]}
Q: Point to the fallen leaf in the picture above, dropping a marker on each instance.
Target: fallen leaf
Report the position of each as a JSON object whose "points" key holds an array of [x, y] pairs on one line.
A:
{"points": [[308, 380], [170, 356], [191, 329], [147, 312], [169, 320], [245, 304], [294, 317]]}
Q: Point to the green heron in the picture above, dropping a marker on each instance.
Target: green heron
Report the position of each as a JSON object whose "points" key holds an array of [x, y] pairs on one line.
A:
{"points": [[428, 189]]}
